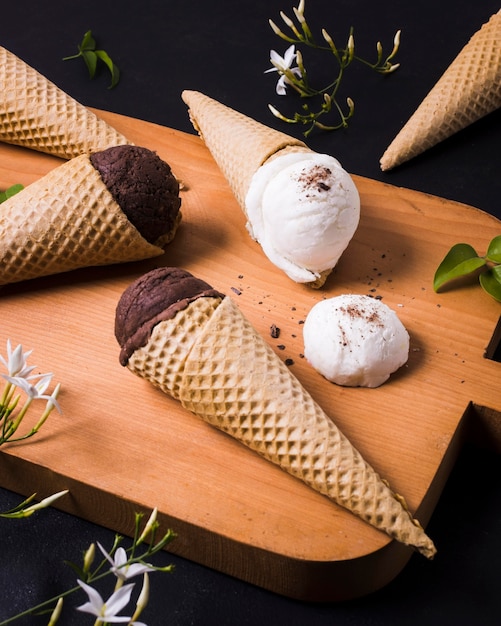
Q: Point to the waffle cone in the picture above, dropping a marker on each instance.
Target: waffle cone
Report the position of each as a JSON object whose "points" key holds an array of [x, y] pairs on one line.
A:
{"points": [[201, 357], [37, 114], [66, 220], [239, 144], [468, 90]]}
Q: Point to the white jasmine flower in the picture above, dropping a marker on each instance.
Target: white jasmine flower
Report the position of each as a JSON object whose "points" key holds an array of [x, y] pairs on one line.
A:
{"points": [[106, 611], [282, 65], [119, 565], [51, 400], [16, 361], [32, 390]]}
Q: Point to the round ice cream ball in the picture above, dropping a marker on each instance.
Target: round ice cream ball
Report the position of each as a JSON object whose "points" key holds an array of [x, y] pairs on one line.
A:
{"points": [[304, 209], [355, 340], [144, 187]]}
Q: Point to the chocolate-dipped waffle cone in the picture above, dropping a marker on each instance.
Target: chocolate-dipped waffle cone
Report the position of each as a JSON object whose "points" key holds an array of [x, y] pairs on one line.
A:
{"points": [[37, 114], [67, 220], [203, 352], [468, 90]]}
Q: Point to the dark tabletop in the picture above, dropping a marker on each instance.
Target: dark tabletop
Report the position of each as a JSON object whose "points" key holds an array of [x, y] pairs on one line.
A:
{"points": [[222, 49]]}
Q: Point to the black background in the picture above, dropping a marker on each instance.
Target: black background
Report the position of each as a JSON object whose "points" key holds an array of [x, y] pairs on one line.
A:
{"points": [[222, 49]]}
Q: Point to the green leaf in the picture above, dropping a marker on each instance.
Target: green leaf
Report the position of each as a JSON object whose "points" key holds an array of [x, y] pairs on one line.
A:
{"points": [[491, 282], [90, 59], [91, 56], [494, 250], [88, 42], [114, 71], [461, 260], [11, 191], [78, 570]]}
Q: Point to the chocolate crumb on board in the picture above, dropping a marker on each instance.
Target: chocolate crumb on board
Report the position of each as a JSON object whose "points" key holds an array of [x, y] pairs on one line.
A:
{"points": [[274, 331]]}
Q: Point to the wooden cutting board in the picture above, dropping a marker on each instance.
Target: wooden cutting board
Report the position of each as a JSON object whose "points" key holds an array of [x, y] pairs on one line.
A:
{"points": [[121, 446]]}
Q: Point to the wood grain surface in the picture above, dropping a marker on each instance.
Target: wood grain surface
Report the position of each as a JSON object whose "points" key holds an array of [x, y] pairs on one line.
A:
{"points": [[121, 446]]}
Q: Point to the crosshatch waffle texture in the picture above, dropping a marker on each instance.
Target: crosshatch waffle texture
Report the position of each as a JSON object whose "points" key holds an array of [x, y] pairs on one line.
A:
{"points": [[211, 359], [66, 220], [37, 114], [468, 90]]}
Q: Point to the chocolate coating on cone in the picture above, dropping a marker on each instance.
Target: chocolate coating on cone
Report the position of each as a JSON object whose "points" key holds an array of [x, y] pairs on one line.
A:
{"points": [[144, 187], [154, 297]]}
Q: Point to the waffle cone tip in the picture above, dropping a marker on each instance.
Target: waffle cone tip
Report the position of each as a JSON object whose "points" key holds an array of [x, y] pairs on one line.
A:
{"points": [[37, 114], [238, 143]]}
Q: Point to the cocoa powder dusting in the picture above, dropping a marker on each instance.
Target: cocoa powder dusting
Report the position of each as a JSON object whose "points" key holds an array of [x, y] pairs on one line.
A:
{"points": [[372, 317], [315, 177]]}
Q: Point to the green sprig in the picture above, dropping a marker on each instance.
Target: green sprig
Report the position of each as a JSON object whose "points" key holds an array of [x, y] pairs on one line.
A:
{"points": [[91, 573], [301, 34], [462, 261], [26, 508], [87, 50]]}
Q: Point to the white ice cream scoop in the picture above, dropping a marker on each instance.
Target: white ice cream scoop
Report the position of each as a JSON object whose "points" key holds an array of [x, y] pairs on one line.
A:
{"points": [[355, 340], [303, 208]]}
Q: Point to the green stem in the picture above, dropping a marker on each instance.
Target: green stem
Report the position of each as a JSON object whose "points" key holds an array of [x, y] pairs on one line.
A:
{"points": [[40, 607], [47, 603]]}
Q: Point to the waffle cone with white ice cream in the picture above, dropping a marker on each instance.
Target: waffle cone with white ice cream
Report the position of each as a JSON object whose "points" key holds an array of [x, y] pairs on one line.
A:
{"points": [[193, 343], [37, 114], [302, 207], [117, 205], [469, 89]]}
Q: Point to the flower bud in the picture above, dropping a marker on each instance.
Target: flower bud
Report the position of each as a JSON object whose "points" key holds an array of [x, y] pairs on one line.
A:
{"points": [[143, 598], [56, 613], [277, 113], [89, 555], [329, 40], [150, 525], [351, 47], [43, 503]]}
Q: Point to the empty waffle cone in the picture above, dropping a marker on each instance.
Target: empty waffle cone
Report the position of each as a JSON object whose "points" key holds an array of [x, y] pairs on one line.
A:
{"points": [[66, 220], [201, 357], [37, 114], [468, 90], [238, 143]]}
